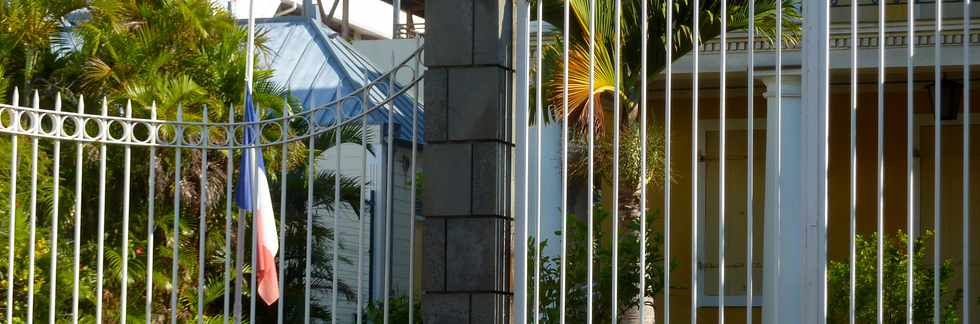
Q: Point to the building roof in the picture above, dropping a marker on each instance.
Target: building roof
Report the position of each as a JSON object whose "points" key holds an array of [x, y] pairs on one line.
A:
{"points": [[313, 64]]}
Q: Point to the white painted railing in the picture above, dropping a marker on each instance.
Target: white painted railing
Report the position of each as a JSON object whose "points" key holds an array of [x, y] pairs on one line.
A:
{"points": [[802, 197], [192, 144]]}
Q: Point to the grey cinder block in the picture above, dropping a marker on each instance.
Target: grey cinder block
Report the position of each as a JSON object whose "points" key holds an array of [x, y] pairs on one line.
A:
{"points": [[446, 308], [491, 188], [436, 104], [447, 179], [475, 254], [434, 255], [492, 32], [477, 105], [449, 36]]}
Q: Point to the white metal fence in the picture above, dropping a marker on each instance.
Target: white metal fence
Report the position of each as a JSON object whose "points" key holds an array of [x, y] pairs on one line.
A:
{"points": [[103, 289], [824, 65]]}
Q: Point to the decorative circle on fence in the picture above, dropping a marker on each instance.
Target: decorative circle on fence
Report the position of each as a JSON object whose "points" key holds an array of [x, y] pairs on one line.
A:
{"points": [[58, 125]]}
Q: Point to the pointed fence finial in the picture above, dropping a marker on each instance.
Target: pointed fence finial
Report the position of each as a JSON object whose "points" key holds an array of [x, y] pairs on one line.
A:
{"points": [[129, 125], [205, 141], [154, 128], [81, 106], [16, 97]]}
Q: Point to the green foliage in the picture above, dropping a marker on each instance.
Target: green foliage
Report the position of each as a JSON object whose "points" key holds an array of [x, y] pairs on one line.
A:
{"points": [[4, 84], [576, 271], [26, 27], [895, 285], [397, 311], [162, 52]]}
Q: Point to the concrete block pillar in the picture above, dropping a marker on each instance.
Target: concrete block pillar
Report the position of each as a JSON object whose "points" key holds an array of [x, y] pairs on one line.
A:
{"points": [[468, 175]]}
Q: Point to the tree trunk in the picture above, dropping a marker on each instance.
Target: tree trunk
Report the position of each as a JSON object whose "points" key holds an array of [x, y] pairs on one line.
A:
{"points": [[632, 315]]}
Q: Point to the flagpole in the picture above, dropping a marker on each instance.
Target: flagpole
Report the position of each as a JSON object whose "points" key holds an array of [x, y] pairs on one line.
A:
{"points": [[249, 73], [253, 166], [250, 49]]}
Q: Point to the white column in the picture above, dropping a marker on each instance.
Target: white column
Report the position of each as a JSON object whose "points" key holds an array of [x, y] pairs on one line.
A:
{"points": [[814, 129], [783, 246]]}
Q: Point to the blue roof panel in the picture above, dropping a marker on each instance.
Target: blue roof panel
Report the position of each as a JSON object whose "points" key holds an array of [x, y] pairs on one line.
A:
{"points": [[313, 63]]}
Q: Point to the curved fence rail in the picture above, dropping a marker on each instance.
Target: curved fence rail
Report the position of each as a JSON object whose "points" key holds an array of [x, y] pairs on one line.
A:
{"points": [[148, 195]]}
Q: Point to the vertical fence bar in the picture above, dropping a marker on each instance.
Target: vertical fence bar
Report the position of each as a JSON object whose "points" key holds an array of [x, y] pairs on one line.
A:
{"points": [[100, 234], [721, 166], [55, 192], [253, 168], [389, 201], [750, 180], [151, 221], [78, 212], [127, 158], [15, 124], [668, 89], [230, 171], [591, 172], [203, 226], [695, 46], [239, 243], [615, 167], [564, 166], [175, 265], [32, 232], [937, 166], [523, 81], [779, 151], [644, 30], [967, 17], [336, 207], [881, 163], [539, 123], [909, 134], [362, 202], [412, 193], [283, 169], [852, 236], [239, 236], [311, 173]]}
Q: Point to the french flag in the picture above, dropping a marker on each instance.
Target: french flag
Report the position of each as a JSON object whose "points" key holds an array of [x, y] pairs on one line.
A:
{"points": [[261, 205]]}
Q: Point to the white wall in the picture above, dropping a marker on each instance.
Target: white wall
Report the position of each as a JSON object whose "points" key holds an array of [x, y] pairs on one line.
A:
{"points": [[550, 186], [372, 250], [349, 228], [388, 52], [371, 17]]}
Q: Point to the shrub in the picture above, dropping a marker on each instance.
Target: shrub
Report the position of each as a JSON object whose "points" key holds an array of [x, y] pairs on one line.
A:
{"points": [[576, 269], [895, 285]]}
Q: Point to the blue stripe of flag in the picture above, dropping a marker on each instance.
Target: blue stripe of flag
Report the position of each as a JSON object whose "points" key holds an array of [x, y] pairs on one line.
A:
{"points": [[246, 181]]}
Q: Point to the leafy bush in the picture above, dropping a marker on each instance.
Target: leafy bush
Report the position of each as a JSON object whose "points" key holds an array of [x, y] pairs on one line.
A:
{"points": [[895, 286], [397, 312], [576, 270]]}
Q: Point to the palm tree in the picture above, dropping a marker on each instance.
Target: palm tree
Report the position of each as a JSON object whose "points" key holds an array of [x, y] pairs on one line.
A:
{"points": [[630, 93], [25, 38], [144, 52]]}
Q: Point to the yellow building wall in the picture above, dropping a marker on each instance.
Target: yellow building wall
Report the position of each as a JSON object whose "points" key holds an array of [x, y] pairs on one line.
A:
{"points": [[838, 182]]}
